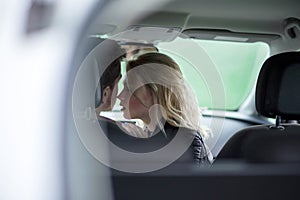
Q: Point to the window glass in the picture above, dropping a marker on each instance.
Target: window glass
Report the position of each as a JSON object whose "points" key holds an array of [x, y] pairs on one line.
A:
{"points": [[236, 67]]}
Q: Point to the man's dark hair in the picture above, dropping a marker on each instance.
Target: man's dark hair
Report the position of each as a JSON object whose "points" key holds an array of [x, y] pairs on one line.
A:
{"points": [[112, 72]]}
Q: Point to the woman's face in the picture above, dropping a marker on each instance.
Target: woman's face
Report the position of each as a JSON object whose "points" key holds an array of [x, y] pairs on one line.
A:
{"points": [[136, 105]]}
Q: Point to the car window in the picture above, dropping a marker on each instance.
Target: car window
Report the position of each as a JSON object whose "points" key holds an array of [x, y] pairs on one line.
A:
{"points": [[237, 65]]}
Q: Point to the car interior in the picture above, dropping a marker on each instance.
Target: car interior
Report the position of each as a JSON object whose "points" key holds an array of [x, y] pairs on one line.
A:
{"points": [[242, 60], [275, 97]]}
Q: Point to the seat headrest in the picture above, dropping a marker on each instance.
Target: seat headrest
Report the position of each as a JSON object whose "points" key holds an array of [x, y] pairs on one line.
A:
{"points": [[278, 86]]}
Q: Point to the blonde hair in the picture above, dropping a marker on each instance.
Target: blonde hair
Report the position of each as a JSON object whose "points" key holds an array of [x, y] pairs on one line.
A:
{"points": [[163, 77]]}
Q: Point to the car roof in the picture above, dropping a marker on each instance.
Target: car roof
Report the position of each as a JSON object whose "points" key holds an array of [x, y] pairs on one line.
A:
{"points": [[275, 22], [256, 16]]}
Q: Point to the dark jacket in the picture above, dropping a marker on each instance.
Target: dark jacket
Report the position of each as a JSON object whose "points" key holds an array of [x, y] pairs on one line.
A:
{"points": [[196, 151]]}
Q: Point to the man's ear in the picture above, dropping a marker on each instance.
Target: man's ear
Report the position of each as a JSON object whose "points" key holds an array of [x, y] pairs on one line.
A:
{"points": [[106, 96]]}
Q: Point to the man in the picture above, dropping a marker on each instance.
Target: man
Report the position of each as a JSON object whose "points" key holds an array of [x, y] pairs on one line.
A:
{"points": [[105, 55]]}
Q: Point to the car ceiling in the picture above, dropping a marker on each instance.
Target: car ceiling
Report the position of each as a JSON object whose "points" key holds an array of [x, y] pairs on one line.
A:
{"points": [[258, 16], [267, 17]]}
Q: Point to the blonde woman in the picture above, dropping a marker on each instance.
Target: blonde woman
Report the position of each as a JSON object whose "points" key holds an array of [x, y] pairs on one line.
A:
{"points": [[156, 92]]}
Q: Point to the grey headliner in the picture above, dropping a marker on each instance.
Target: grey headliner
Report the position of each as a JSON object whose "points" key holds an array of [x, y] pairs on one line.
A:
{"points": [[261, 16], [240, 16]]}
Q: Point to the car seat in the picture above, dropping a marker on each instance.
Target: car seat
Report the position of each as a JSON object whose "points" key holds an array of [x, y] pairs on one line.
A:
{"points": [[277, 96]]}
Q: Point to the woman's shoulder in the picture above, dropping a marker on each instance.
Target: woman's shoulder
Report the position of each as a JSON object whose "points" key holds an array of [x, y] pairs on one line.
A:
{"points": [[202, 154], [188, 132]]}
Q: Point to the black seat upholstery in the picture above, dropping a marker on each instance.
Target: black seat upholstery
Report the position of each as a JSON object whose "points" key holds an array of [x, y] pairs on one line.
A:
{"points": [[277, 96]]}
